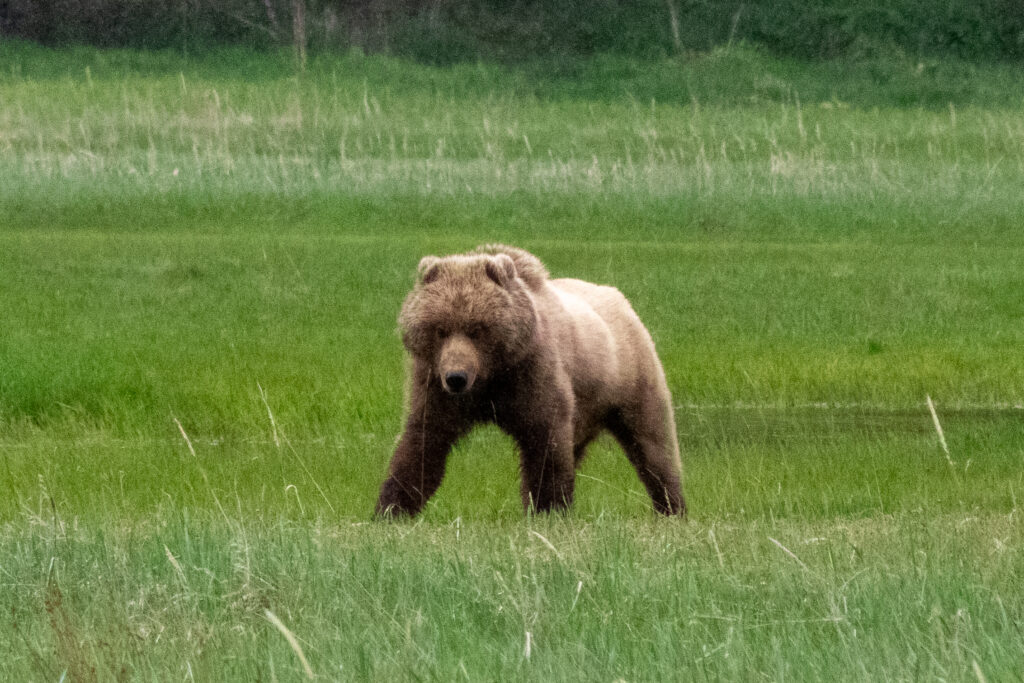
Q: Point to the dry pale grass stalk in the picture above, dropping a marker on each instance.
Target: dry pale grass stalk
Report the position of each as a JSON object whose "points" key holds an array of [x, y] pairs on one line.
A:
{"points": [[295, 454], [576, 598], [270, 414], [718, 551], [202, 471], [790, 553], [302, 464], [177, 567], [292, 641], [938, 430], [188, 441], [549, 544]]}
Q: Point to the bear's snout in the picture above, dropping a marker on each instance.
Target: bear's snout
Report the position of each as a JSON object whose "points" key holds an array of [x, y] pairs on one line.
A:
{"points": [[455, 382], [458, 365]]}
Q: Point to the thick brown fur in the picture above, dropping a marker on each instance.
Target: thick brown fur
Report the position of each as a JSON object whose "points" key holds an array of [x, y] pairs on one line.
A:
{"points": [[552, 362]]}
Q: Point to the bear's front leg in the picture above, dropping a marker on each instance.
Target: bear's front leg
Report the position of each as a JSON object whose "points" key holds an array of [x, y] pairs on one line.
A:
{"points": [[417, 468], [547, 465]]}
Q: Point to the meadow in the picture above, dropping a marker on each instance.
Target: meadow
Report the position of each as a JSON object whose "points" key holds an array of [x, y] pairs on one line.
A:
{"points": [[201, 382]]}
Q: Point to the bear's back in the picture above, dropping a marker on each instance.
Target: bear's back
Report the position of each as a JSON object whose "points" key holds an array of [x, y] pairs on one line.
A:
{"points": [[608, 304], [603, 343]]}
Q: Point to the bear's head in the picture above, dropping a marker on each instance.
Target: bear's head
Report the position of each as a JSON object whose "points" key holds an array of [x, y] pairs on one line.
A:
{"points": [[468, 318]]}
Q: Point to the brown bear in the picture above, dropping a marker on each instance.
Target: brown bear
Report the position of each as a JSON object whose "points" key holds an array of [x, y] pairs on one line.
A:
{"points": [[551, 362]]}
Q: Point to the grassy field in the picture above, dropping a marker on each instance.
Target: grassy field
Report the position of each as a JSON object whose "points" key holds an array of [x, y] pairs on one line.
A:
{"points": [[201, 262]]}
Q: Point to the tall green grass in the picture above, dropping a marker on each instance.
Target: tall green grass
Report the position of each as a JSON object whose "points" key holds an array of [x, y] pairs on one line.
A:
{"points": [[900, 597], [201, 263]]}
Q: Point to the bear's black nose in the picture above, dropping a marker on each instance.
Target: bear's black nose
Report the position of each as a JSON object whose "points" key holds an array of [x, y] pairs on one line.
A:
{"points": [[455, 381]]}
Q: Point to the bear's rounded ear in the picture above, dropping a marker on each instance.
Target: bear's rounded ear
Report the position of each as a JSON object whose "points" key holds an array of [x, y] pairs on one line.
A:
{"points": [[429, 269], [502, 269]]}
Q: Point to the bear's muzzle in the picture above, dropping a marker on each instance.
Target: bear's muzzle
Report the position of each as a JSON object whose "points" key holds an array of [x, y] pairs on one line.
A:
{"points": [[458, 364]]}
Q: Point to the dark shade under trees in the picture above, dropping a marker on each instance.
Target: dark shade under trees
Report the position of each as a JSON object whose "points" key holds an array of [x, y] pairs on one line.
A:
{"points": [[445, 31]]}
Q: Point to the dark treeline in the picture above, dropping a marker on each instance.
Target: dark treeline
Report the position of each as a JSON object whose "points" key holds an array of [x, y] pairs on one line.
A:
{"points": [[444, 31]]}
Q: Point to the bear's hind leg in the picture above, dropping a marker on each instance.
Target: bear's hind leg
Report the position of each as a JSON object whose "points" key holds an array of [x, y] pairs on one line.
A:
{"points": [[648, 436]]}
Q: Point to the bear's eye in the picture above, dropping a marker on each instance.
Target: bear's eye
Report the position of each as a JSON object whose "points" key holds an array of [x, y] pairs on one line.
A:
{"points": [[474, 331], [440, 332]]}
